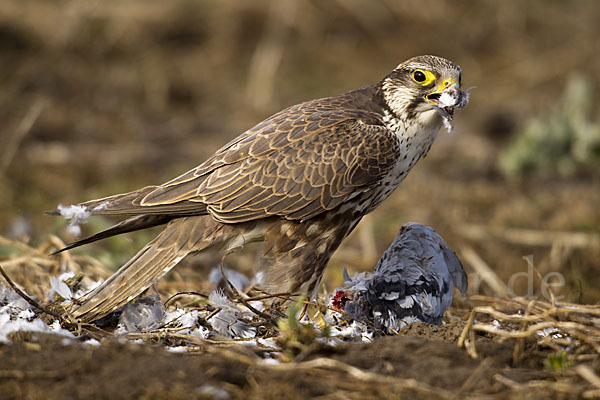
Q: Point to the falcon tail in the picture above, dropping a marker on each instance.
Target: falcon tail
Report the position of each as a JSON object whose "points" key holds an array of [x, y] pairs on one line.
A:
{"points": [[180, 237], [132, 224], [130, 204]]}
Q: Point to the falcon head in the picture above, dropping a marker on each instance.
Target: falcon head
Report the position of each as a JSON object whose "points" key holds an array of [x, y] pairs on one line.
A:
{"points": [[425, 88]]}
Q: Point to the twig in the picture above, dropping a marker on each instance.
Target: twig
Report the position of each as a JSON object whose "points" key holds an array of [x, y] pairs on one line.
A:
{"points": [[484, 271], [28, 299], [65, 255], [532, 330], [591, 394], [10, 148], [588, 374], [239, 298], [508, 382], [343, 313], [530, 237], [519, 343], [573, 323], [540, 306], [20, 245], [35, 260], [585, 338], [474, 377], [544, 284], [185, 294], [544, 386], [365, 376], [213, 313], [282, 295], [51, 374], [269, 52], [468, 330]]}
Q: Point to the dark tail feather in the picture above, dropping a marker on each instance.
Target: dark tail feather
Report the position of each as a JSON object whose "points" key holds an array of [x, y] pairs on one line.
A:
{"points": [[129, 225], [179, 238]]}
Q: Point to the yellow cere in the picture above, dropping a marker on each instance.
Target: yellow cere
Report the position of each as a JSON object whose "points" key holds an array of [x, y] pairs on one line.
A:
{"points": [[446, 83], [423, 77]]}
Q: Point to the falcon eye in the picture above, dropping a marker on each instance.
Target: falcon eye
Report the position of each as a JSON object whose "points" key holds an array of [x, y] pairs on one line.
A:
{"points": [[419, 76], [423, 77]]}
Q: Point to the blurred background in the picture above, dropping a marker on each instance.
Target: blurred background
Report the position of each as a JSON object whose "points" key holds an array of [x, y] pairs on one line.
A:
{"points": [[101, 97]]}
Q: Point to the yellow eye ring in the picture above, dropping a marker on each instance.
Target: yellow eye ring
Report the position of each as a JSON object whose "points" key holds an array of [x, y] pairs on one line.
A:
{"points": [[423, 77]]}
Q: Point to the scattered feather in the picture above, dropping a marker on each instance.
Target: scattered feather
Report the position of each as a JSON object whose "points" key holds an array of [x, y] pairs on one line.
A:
{"points": [[145, 314], [212, 392], [76, 214], [188, 321], [230, 321], [60, 288], [177, 349], [16, 315], [239, 281]]}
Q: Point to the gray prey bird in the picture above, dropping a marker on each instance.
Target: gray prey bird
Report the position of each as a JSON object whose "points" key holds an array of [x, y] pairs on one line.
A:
{"points": [[413, 281], [299, 181]]}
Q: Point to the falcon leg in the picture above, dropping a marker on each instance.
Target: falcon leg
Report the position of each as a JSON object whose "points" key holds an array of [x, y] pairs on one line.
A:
{"points": [[295, 254]]}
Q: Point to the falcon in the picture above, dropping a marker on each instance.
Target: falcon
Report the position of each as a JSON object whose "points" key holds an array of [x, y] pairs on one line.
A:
{"points": [[299, 182], [413, 281]]}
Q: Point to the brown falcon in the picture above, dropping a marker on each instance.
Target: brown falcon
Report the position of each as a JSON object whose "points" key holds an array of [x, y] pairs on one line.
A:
{"points": [[299, 181]]}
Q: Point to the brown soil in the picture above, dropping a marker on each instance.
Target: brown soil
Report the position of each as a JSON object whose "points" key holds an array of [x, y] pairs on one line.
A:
{"points": [[423, 361]]}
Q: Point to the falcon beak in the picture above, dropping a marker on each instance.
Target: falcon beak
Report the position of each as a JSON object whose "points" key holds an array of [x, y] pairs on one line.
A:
{"points": [[446, 97]]}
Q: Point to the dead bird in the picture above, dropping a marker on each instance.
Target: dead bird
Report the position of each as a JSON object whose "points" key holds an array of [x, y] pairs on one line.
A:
{"points": [[413, 281]]}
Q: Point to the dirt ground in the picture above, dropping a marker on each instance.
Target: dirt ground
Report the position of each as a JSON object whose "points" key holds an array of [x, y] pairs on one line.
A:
{"points": [[423, 361], [104, 97], [101, 99]]}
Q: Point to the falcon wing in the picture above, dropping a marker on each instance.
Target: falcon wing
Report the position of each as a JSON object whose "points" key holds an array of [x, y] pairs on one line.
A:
{"points": [[300, 162], [297, 164]]}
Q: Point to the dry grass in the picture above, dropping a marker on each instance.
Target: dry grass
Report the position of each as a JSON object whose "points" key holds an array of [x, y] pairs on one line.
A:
{"points": [[562, 339], [32, 267]]}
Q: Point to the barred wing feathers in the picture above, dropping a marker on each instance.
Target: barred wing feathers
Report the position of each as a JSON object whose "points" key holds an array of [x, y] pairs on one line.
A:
{"points": [[297, 164]]}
